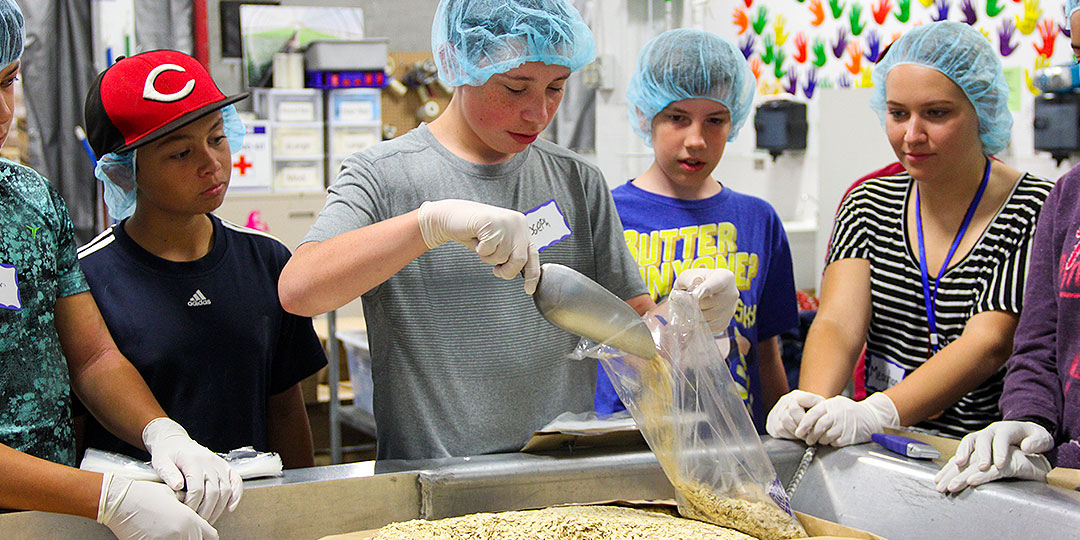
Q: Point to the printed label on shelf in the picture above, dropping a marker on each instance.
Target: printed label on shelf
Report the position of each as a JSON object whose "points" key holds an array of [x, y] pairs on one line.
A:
{"points": [[356, 111], [299, 177], [296, 111]]}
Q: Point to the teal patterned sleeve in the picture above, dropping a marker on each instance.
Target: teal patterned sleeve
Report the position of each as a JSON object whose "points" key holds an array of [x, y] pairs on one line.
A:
{"points": [[69, 276]]}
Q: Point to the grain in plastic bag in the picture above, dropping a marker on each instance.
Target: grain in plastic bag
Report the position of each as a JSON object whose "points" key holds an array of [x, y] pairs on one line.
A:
{"points": [[686, 404]]}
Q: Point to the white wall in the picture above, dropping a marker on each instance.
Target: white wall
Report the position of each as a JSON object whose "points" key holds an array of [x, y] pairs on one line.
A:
{"points": [[845, 139]]}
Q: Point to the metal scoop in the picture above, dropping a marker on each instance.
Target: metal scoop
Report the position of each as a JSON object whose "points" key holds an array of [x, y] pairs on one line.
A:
{"points": [[570, 300]]}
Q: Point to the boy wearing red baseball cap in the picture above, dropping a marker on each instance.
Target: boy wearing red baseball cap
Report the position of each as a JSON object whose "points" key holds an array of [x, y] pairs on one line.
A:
{"points": [[53, 342], [191, 299]]}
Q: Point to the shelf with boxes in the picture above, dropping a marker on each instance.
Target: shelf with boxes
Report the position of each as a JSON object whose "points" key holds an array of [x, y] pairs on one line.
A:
{"points": [[353, 123], [293, 120]]}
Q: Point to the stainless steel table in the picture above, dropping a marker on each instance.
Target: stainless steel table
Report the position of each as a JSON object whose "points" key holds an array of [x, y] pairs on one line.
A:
{"points": [[863, 486]]}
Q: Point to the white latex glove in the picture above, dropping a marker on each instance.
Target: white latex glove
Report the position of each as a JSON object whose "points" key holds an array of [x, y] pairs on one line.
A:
{"points": [[839, 421], [499, 236], [183, 463], [137, 510], [715, 291], [1007, 449], [788, 412]]}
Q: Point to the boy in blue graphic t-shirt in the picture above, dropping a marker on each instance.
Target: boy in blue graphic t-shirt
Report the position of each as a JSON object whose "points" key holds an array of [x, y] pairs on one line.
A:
{"points": [[690, 95]]}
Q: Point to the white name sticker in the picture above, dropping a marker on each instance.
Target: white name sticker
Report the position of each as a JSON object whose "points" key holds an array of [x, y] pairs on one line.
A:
{"points": [[547, 224], [882, 374], [9, 288]]}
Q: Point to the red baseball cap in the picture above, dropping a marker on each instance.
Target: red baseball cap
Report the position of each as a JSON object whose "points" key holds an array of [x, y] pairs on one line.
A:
{"points": [[144, 97]]}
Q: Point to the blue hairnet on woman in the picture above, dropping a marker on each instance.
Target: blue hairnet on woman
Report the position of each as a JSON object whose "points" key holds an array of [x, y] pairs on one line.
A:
{"points": [[687, 64], [13, 32], [966, 57], [475, 39]]}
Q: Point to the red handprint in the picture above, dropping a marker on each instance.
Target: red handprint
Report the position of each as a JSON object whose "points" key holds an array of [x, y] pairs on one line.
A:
{"points": [[1048, 31], [755, 66], [881, 10], [800, 48]]}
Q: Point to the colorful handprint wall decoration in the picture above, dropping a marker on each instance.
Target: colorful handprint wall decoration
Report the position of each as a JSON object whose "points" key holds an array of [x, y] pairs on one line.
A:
{"points": [[800, 46]]}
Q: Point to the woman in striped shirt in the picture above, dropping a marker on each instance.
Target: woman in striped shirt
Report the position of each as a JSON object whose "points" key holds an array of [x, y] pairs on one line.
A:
{"points": [[927, 267]]}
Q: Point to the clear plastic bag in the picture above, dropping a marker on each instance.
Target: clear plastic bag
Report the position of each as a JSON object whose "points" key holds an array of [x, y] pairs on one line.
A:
{"points": [[687, 407]]}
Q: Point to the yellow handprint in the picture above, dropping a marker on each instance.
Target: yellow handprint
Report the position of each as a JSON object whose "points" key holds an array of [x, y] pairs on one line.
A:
{"points": [[1031, 17], [1040, 63], [864, 78], [926, 3], [778, 27], [986, 34]]}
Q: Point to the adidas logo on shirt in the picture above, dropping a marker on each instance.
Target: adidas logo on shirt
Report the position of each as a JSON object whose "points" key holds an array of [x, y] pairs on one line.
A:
{"points": [[198, 299]]}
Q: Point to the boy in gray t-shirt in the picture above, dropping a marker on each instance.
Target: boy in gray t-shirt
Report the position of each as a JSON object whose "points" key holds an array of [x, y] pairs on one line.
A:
{"points": [[462, 362]]}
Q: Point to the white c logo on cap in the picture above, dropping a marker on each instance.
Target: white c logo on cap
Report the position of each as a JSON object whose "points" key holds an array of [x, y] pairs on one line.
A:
{"points": [[151, 93]]}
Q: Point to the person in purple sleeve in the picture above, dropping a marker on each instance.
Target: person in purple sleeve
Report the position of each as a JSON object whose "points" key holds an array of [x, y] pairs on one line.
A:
{"points": [[1040, 403]]}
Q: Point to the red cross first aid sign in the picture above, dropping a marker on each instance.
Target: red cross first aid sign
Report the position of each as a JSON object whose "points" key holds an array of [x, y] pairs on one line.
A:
{"points": [[251, 166]]}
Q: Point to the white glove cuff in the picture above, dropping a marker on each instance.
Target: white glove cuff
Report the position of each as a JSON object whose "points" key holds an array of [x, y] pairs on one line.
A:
{"points": [[884, 409], [106, 511], [160, 428], [424, 218]]}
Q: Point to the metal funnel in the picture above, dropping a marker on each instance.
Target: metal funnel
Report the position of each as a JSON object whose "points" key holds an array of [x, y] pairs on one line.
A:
{"points": [[570, 300]]}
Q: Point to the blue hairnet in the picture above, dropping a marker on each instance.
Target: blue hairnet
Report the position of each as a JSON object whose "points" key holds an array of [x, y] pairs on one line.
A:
{"points": [[686, 64], [117, 170], [966, 57], [1070, 7], [475, 39], [14, 32]]}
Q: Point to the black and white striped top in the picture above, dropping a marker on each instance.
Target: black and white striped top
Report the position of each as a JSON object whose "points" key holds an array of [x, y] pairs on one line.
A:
{"points": [[870, 225]]}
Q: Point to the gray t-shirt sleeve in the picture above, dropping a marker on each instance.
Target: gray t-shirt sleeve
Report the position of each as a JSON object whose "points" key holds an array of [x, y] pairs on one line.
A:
{"points": [[353, 201], [616, 268]]}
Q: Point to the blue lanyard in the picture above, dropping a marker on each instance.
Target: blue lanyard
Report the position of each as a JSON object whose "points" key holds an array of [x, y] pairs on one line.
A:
{"points": [[930, 296]]}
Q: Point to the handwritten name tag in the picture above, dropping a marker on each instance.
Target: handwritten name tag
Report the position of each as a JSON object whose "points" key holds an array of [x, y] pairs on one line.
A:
{"points": [[9, 288], [547, 224]]}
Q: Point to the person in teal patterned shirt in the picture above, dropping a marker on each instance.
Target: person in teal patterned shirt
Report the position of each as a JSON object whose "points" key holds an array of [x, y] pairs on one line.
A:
{"points": [[53, 341]]}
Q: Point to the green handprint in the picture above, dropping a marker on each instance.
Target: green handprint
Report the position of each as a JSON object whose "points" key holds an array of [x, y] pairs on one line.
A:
{"points": [[778, 70], [905, 10], [761, 20], [770, 50], [992, 8], [855, 17], [819, 52], [837, 8]]}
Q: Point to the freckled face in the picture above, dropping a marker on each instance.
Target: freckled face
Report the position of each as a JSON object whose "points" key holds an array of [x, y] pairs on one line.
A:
{"points": [[508, 112]]}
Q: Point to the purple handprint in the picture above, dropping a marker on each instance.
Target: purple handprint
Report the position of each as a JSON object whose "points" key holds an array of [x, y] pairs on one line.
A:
{"points": [[1064, 31], [942, 10], [792, 82], [969, 12], [811, 83], [843, 81], [840, 45], [873, 46], [1005, 35], [747, 45]]}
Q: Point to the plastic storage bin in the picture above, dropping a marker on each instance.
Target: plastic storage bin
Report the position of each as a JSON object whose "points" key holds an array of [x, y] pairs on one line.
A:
{"points": [[347, 54], [358, 358], [298, 175], [289, 105], [355, 105], [351, 139], [297, 141]]}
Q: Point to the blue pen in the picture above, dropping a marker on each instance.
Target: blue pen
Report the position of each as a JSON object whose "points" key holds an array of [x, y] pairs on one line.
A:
{"points": [[906, 446], [81, 135]]}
